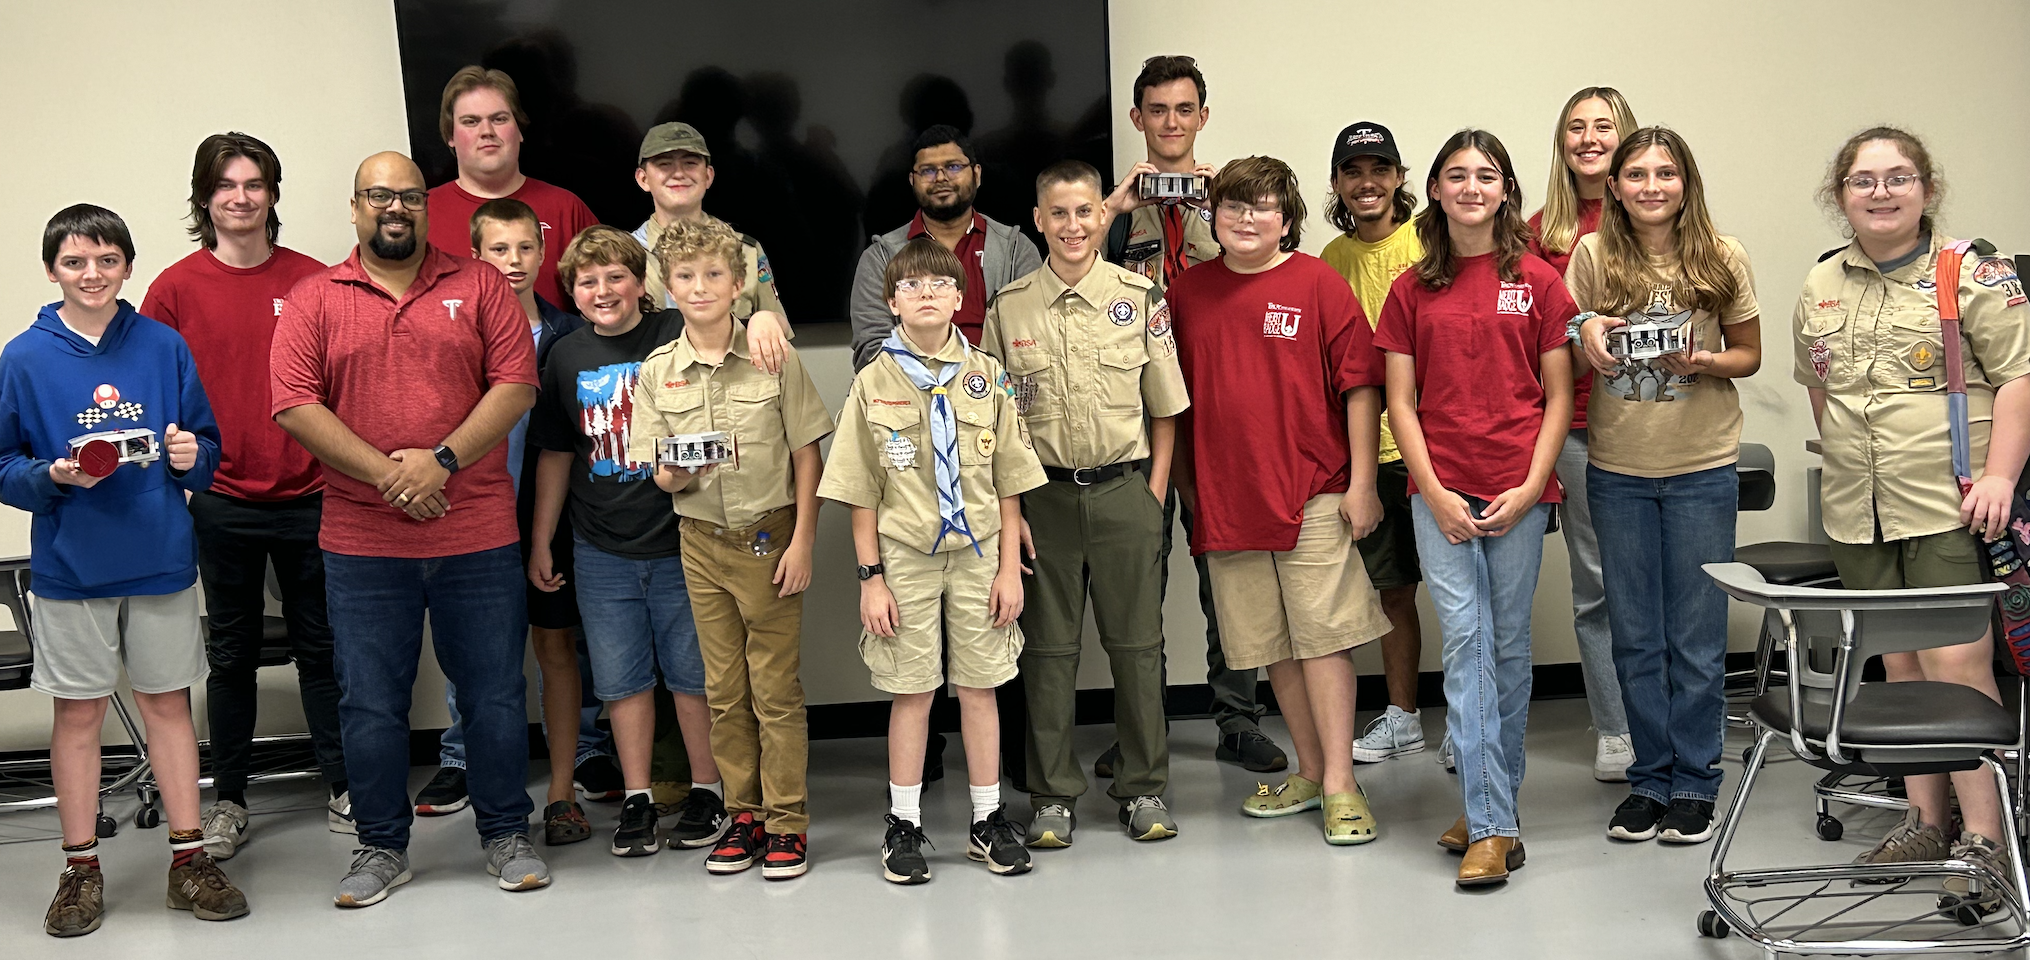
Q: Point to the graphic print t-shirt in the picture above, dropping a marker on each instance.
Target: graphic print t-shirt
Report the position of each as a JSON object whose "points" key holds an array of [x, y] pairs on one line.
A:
{"points": [[586, 407]]}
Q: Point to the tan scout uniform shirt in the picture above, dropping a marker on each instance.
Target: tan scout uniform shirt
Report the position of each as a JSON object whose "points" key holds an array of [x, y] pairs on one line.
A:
{"points": [[769, 415], [1144, 251], [1087, 362], [757, 291], [882, 457], [1871, 342]]}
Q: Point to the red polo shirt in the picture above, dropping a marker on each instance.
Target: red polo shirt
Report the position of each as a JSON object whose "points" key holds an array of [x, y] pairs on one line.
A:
{"points": [[228, 315], [559, 210], [404, 373], [972, 252]]}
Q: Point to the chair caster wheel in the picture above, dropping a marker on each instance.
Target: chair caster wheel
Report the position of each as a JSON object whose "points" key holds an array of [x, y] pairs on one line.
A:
{"points": [[1710, 925], [107, 827], [148, 818], [1746, 753], [1829, 827]]}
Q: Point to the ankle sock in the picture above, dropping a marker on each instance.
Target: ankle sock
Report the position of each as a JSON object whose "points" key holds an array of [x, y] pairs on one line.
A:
{"points": [[644, 793], [906, 803], [986, 800], [236, 796], [82, 856], [716, 788], [184, 845]]}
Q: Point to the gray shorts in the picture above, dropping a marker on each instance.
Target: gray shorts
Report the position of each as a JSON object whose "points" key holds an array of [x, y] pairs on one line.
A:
{"points": [[80, 645]]}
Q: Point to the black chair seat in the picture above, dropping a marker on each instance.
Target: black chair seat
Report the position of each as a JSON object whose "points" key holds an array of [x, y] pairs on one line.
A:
{"points": [[16, 660], [1789, 564], [274, 640], [1899, 714]]}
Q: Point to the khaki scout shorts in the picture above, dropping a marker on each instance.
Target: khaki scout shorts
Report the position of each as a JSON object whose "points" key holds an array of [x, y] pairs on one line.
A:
{"points": [[1949, 559], [943, 602], [1312, 600]]}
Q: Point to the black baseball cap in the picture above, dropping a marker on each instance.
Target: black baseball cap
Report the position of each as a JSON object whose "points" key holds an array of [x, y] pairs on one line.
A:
{"points": [[1365, 139]]}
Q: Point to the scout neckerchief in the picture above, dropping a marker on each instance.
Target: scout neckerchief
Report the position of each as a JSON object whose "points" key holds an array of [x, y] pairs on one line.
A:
{"points": [[944, 433], [2005, 559], [1174, 241]]}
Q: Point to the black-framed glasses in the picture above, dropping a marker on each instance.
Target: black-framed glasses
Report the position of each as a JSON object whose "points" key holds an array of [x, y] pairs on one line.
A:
{"points": [[950, 170], [380, 197]]}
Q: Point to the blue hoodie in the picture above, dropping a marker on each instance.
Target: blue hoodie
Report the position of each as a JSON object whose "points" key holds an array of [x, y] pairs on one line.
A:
{"points": [[129, 534]]}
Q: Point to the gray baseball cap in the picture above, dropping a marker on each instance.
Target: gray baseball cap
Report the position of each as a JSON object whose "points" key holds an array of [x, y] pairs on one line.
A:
{"points": [[666, 137]]}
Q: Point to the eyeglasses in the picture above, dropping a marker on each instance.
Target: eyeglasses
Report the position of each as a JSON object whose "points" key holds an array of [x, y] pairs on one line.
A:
{"points": [[380, 197], [950, 170], [1236, 210], [935, 286], [1897, 185]]}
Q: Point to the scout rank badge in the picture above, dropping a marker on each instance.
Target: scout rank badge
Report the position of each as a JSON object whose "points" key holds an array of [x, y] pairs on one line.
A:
{"points": [[1821, 357], [1121, 311], [901, 452], [986, 443]]}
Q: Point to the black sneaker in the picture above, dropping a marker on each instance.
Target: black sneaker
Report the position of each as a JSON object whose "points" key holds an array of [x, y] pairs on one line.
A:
{"points": [[1252, 750], [598, 779], [788, 856], [1687, 821], [998, 844], [699, 815], [1636, 818], [1104, 764], [444, 794], [737, 846], [637, 835], [902, 853]]}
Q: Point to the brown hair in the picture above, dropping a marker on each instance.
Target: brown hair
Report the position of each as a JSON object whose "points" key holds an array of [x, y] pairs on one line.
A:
{"points": [[1704, 280], [468, 79], [1068, 171], [505, 210], [1434, 230], [692, 240], [923, 257], [213, 155], [1157, 71], [1912, 148], [1404, 201], [1559, 226], [602, 246], [1249, 179]]}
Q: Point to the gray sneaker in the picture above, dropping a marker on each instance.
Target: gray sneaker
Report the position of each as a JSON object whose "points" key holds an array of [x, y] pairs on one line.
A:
{"points": [[374, 872], [1395, 733], [513, 859], [225, 828], [338, 813], [1051, 826], [1148, 819], [1909, 841]]}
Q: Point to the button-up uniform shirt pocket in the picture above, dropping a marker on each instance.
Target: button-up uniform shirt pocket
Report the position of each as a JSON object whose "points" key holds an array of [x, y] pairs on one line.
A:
{"points": [[754, 411]]}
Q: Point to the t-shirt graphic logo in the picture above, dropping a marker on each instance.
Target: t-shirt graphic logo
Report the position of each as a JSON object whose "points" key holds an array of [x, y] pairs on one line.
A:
{"points": [[1514, 299], [1281, 321], [606, 415], [453, 305], [107, 405], [278, 306]]}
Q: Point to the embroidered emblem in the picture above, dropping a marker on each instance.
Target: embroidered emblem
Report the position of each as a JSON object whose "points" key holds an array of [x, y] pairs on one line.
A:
{"points": [[1922, 355], [986, 443], [1121, 311], [976, 385], [901, 452], [1821, 357]]}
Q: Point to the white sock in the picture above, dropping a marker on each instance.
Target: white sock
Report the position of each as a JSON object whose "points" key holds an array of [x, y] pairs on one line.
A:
{"points": [[644, 792], [906, 803], [717, 788], [986, 800]]}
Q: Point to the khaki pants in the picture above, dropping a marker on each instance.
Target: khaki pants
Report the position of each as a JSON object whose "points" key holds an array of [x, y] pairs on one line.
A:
{"points": [[1311, 600], [947, 627], [1105, 539], [749, 639]]}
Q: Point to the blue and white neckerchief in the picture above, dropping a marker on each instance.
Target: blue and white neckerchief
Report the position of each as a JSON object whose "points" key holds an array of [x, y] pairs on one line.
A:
{"points": [[944, 433]]}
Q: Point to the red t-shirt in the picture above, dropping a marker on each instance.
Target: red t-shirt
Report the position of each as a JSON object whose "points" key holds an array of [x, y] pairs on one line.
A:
{"points": [[228, 315], [1589, 221], [404, 374], [559, 210], [1268, 358], [1478, 345], [972, 253]]}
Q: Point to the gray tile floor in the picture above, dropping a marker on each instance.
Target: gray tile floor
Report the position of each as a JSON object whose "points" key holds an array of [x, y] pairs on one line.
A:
{"points": [[1227, 886]]}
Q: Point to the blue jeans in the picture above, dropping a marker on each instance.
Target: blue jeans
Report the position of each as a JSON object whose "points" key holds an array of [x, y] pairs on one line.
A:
{"points": [[637, 617], [1482, 590], [479, 626], [592, 741], [1670, 620], [1589, 598]]}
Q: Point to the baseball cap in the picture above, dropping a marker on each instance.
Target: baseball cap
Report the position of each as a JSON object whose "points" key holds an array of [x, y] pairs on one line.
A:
{"points": [[665, 137], [1365, 139]]}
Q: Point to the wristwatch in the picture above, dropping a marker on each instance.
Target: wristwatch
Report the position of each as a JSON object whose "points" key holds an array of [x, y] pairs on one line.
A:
{"points": [[445, 458], [869, 572]]}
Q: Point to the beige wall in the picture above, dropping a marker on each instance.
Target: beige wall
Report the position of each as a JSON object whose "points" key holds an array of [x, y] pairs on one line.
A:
{"points": [[1763, 91]]}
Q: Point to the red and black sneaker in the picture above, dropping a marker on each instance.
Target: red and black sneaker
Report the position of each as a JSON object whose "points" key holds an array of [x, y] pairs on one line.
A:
{"points": [[737, 846], [788, 856]]}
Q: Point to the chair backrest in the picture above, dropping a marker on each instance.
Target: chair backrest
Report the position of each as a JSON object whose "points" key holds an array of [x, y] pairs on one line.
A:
{"points": [[1756, 470], [14, 594]]}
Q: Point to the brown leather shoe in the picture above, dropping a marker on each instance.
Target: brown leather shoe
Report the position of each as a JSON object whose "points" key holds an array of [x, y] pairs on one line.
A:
{"points": [[1455, 838], [1489, 861]]}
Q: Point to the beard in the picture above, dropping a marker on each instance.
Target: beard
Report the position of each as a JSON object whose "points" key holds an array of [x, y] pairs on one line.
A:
{"points": [[1388, 207], [387, 249], [962, 201]]}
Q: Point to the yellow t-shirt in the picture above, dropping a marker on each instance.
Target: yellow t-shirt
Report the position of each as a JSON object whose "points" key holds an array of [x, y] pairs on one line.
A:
{"points": [[1372, 268]]}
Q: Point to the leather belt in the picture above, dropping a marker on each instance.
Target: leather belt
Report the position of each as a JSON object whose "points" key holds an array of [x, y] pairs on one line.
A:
{"points": [[1087, 476]]}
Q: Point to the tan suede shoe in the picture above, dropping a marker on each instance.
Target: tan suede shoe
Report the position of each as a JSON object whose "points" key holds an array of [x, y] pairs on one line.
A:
{"points": [[1489, 861], [1455, 838]]}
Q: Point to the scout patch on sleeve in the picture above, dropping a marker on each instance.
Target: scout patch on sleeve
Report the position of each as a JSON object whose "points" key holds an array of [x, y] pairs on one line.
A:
{"points": [[1121, 311], [762, 272], [976, 385], [1821, 357], [2000, 273], [1159, 319]]}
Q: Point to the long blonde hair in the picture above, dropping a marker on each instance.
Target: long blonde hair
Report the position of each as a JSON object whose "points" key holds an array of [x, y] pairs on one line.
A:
{"points": [[1559, 228], [1704, 281]]}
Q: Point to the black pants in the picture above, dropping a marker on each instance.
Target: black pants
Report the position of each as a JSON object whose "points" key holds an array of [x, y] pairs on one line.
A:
{"points": [[236, 540], [1234, 706]]}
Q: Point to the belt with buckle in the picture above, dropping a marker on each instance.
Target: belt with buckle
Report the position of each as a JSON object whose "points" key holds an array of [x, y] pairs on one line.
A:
{"points": [[1087, 476]]}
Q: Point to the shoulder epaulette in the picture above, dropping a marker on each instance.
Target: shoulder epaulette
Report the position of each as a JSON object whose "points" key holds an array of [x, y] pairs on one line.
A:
{"points": [[1829, 254]]}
